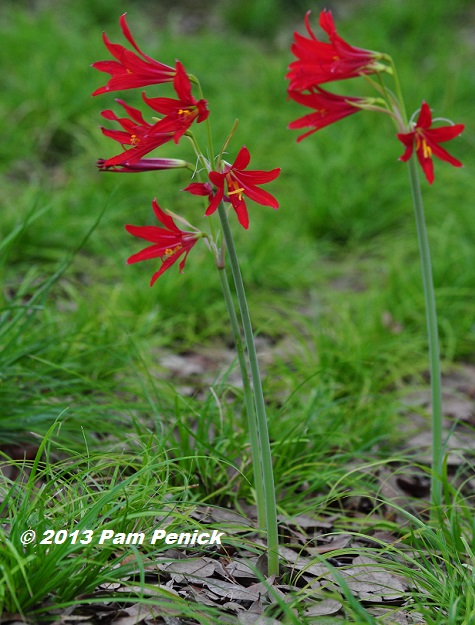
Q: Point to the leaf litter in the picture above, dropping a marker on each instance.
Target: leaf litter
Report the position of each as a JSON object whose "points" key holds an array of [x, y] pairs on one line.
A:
{"points": [[231, 578], [234, 586]]}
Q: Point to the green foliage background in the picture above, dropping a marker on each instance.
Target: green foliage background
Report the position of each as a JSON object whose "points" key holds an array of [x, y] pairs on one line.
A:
{"points": [[82, 332], [333, 280]]}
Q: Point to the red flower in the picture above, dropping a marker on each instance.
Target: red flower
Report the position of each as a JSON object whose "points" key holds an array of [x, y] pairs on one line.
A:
{"points": [[426, 141], [181, 113], [329, 108], [320, 62], [129, 70], [169, 243], [143, 137], [238, 183], [144, 164]]}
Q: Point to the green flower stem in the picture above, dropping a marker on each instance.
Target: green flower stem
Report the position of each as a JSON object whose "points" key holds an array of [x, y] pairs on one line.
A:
{"points": [[433, 339], [399, 97], [265, 457], [208, 125], [248, 399]]}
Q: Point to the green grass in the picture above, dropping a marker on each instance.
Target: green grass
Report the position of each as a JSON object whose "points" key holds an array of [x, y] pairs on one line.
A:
{"points": [[333, 279]]}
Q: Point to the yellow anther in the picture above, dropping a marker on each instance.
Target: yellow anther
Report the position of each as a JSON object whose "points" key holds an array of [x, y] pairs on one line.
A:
{"points": [[426, 150], [184, 112], [171, 250], [422, 143], [237, 192], [134, 140]]}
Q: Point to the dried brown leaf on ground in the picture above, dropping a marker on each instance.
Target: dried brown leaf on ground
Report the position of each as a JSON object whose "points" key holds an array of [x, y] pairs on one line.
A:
{"points": [[370, 581]]}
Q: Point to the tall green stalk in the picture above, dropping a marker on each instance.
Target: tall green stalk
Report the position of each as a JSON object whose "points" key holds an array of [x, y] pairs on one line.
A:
{"points": [[265, 457], [433, 340], [248, 400], [253, 395]]}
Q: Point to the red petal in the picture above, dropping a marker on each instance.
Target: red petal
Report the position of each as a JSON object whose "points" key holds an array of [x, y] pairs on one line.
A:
{"points": [[241, 211], [408, 153], [118, 135], [167, 263], [165, 106], [427, 166], [326, 23], [182, 84], [216, 178], [215, 201], [444, 133], [260, 196], [133, 113], [257, 176], [242, 159], [164, 218], [110, 67], [128, 34], [425, 117], [443, 154], [199, 188], [114, 48], [153, 251], [406, 138], [154, 234]]}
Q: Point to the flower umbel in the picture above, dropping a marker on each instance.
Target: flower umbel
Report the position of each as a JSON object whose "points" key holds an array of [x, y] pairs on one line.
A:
{"points": [[169, 242], [319, 62], [329, 108], [130, 70], [239, 183], [140, 135], [181, 113], [426, 142]]}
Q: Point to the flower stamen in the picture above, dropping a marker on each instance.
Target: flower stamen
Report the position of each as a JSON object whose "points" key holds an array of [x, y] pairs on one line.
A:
{"points": [[171, 250], [237, 192]]}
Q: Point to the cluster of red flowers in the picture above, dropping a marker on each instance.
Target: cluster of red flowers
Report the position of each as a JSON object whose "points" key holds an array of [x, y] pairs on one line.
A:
{"points": [[320, 62], [230, 184], [317, 62]]}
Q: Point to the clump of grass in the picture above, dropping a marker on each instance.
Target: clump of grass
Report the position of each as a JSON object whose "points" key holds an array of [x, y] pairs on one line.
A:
{"points": [[123, 491]]}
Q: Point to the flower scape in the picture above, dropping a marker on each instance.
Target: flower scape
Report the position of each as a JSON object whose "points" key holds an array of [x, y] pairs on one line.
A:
{"points": [[321, 62], [226, 183]]}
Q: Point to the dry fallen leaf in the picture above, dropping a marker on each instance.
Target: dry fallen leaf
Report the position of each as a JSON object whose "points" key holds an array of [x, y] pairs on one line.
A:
{"points": [[324, 608], [371, 582]]}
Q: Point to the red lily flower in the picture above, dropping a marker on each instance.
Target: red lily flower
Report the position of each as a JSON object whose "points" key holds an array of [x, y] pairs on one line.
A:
{"points": [[239, 183], [130, 71], [320, 62], [169, 242], [426, 141], [329, 108], [144, 164], [143, 137], [181, 113]]}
